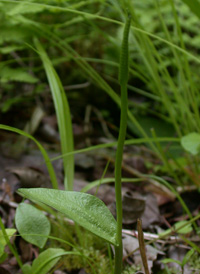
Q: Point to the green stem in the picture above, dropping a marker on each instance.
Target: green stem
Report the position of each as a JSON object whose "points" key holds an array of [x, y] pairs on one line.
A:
{"points": [[123, 79], [118, 163], [12, 249], [118, 258]]}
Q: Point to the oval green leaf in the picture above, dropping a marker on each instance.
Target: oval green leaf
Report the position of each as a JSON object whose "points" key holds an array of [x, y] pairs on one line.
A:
{"points": [[182, 227], [85, 209], [30, 220], [191, 143]]}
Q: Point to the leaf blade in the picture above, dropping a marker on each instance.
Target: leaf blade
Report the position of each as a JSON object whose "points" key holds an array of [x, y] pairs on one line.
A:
{"points": [[191, 143], [42, 150], [85, 209], [63, 115], [30, 220], [46, 260]]}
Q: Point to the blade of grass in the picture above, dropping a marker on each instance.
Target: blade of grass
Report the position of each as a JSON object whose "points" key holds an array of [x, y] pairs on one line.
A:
{"points": [[151, 60], [107, 181], [186, 96], [183, 204], [86, 67], [63, 116], [164, 158], [78, 249], [97, 78], [43, 151], [127, 142], [11, 247], [102, 178], [194, 90], [193, 245]]}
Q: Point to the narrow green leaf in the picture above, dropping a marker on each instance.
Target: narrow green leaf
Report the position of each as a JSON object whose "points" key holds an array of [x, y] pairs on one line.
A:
{"points": [[191, 143], [46, 260], [85, 209], [63, 116], [22, 8], [169, 260], [194, 6], [107, 181], [30, 220], [43, 151], [17, 74], [187, 256]]}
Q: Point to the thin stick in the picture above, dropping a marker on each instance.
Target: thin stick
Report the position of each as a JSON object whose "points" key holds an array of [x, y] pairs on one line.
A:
{"points": [[142, 246]]}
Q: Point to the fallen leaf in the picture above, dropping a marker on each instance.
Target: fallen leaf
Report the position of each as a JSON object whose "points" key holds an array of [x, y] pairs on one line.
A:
{"points": [[30, 177], [151, 213], [133, 206], [131, 243]]}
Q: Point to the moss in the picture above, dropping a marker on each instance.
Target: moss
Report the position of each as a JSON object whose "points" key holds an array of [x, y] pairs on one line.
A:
{"points": [[131, 269], [95, 257]]}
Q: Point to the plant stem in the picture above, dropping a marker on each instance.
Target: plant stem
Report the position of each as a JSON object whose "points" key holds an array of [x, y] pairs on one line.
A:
{"points": [[123, 79], [12, 249], [121, 138]]}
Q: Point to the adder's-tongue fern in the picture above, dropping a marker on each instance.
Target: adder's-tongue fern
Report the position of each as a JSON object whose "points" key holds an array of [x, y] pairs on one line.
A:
{"points": [[123, 79]]}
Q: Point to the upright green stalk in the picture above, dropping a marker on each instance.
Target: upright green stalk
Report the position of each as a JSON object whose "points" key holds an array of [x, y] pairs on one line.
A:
{"points": [[123, 79], [12, 248]]}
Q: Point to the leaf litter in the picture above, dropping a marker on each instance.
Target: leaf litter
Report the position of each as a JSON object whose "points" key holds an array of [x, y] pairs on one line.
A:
{"points": [[146, 204]]}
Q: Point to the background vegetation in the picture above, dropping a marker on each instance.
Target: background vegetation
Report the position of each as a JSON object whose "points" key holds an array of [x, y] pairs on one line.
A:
{"points": [[62, 56]]}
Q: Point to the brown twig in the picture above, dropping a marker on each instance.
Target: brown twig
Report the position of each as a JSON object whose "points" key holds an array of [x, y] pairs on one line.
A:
{"points": [[142, 246]]}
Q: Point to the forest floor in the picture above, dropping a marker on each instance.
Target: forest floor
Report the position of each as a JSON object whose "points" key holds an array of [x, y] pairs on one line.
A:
{"points": [[22, 165]]}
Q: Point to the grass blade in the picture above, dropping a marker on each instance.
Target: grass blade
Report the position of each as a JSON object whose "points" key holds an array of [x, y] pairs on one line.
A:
{"points": [[43, 151], [63, 116]]}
